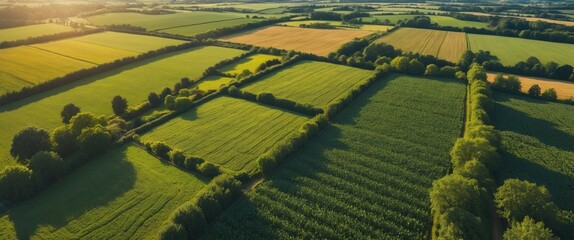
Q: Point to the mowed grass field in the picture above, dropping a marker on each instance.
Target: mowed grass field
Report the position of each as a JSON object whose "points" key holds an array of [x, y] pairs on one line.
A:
{"points": [[365, 177], [124, 194], [159, 22], [317, 41], [537, 144], [511, 50], [442, 44], [315, 83], [228, 131], [440, 20], [21, 33], [564, 89], [29, 65], [94, 94]]}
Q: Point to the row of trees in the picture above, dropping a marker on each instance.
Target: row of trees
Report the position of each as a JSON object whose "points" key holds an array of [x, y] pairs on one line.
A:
{"points": [[512, 84], [51, 37], [40, 153]]}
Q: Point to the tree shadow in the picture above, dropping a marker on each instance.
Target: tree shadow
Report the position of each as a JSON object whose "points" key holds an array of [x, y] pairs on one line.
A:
{"points": [[523, 123], [95, 184]]}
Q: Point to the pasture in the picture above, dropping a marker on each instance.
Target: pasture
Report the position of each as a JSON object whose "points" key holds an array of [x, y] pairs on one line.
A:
{"points": [[113, 196], [317, 41], [564, 89], [58, 58], [250, 63], [227, 131], [159, 22], [511, 50], [440, 20], [94, 94], [30, 31], [537, 139], [365, 177], [441, 44], [193, 30], [315, 83], [213, 83]]}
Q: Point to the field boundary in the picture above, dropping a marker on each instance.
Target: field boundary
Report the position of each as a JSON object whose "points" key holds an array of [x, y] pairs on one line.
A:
{"points": [[66, 56], [195, 24]]}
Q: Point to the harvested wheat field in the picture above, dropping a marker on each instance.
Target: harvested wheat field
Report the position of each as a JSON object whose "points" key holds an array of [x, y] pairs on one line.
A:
{"points": [[317, 41], [565, 90], [442, 44]]}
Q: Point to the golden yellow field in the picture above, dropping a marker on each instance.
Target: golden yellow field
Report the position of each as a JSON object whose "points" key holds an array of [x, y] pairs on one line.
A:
{"points": [[317, 41], [565, 90], [442, 44]]}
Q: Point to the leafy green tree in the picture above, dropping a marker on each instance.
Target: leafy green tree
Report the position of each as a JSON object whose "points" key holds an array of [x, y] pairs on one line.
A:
{"points": [[484, 131], [385, 67], [191, 218], [160, 149], [534, 90], [173, 231], [516, 199], [63, 141], [563, 72], [474, 169], [499, 81], [153, 99], [28, 142], [374, 50], [267, 98], [432, 70], [182, 103], [476, 73], [208, 169], [84, 120], [48, 166], [416, 67], [69, 111], [266, 164], [16, 183], [513, 84], [533, 61], [456, 191], [528, 229], [549, 94], [243, 74], [466, 59], [478, 149], [170, 102], [458, 223], [94, 140], [119, 105], [400, 64]]}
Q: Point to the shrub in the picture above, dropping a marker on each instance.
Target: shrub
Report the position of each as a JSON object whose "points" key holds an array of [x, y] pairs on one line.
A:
{"points": [[447, 71], [153, 99], [534, 90], [16, 183], [516, 199], [47, 166], [455, 191], [385, 67], [458, 223], [63, 141], [176, 156], [182, 103], [208, 169], [400, 64], [266, 98], [529, 229], [484, 131], [169, 102], [549, 94], [474, 169], [432, 70], [160, 149], [192, 162], [95, 140], [69, 111], [416, 67], [84, 120], [478, 149], [119, 105], [266, 164], [191, 218], [28, 142]]}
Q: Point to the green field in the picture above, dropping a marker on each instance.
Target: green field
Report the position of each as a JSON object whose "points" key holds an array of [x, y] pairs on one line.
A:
{"points": [[365, 177], [228, 131], [21, 33], [158, 22], [440, 20], [250, 63], [94, 94], [58, 58], [124, 194], [537, 144], [315, 83], [213, 83], [338, 24], [206, 27], [512, 50]]}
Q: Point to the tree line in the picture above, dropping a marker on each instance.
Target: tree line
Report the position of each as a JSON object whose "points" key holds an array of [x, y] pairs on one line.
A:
{"points": [[51, 37]]}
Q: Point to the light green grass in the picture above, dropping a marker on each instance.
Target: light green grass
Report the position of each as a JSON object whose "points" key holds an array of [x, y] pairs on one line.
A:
{"points": [[511, 50], [124, 194], [250, 63], [213, 83], [155, 22], [338, 24], [365, 177], [440, 20], [21, 33], [29, 65], [537, 144], [256, 6], [206, 27], [315, 83], [94, 94], [228, 131]]}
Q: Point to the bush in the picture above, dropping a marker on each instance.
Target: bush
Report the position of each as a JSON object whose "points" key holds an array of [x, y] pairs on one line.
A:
{"points": [[484, 131], [416, 67], [549, 94], [176, 156], [160, 149], [208, 169], [534, 90], [119, 105], [153, 99], [47, 166], [95, 140], [455, 191], [266, 98], [63, 141], [458, 223], [16, 183], [447, 71], [400, 64], [478, 149], [69, 111], [28, 142], [474, 169], [266, 164], [85, 120], [529, 229], [516, 199], [192, 162], [432, 70], [191, 218], [182, 103], [169, 102]]}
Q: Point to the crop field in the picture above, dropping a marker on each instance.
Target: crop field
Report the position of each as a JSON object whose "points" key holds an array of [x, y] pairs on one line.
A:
{"points": [[512, 50], [340, 25], [250, 63], [440, 20], [58, 58], [114, 196], [537, 139], [315, 83], [228, 131], [206, 27], [564, 89], [94, 94], [213, 83], [365, 177], [442, 44], [159, 22], [317, 41], [18, 33]]}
